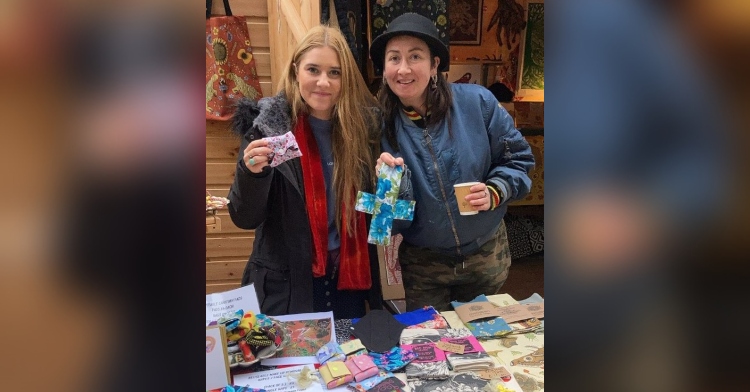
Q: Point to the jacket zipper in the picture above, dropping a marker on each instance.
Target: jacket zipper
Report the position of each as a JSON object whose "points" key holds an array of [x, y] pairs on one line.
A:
{"points": [[428, 139]]}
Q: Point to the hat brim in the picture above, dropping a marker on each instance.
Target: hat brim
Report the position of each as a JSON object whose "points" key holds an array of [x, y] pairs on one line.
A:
{"points": [[377, 49]]}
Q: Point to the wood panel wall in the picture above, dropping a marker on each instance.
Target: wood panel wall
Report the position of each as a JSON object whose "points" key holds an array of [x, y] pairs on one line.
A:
{"points": [[274, 26]]}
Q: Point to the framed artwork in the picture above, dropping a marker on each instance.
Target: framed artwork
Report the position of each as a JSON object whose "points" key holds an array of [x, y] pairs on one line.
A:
{"points": [[531, 64], [466, 22], [465, 73], [382, 12]]}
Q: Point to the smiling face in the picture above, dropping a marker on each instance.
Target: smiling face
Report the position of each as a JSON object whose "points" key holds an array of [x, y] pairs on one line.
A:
{"points": [[407, 69], [319, 78]]}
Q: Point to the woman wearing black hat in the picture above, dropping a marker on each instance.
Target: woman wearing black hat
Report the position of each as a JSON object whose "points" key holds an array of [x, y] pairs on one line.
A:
{"points": [[447, 134]]}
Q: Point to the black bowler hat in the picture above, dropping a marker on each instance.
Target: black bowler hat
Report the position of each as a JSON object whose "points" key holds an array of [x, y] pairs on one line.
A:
{"points": [[417, 26]]}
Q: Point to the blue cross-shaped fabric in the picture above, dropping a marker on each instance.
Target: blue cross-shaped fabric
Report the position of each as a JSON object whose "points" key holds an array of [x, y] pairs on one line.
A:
{"points": [[383, 205]]}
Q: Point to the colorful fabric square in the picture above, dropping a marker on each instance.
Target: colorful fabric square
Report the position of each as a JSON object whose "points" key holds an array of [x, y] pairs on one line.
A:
{"points": [[352, 347], [335, 373], [362, 367], [237, 388], [458, 382], [384, 206], [390, 384], [330, 352], [393, 360], [485, 328], [368, 384], [284, 148], [437, 322]]}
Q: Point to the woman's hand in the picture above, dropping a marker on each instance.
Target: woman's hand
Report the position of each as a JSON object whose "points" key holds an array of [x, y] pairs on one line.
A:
{"points": [[388, 159], [256, 155], [479, 198]]}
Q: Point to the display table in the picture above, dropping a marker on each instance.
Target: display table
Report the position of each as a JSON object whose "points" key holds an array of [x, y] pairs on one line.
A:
{"points": [[521, 354]]}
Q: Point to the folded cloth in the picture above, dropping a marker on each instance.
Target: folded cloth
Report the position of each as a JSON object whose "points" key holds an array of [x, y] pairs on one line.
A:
{"points": [[390, 384], [533, 299], [394, 359], [486, 328], [330, 352], [362, 367], [352, 347], [284, 148], [430, 363], [335, 373], [458, 382], [474, 357], [368, 384]]}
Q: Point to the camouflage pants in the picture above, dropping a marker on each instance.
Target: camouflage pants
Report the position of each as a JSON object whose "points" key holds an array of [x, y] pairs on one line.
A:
{"points": [[432, 278]]}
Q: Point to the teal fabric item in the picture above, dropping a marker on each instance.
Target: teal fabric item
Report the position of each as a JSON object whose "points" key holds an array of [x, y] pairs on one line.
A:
{"points": [[487, 328], [384, 206]]}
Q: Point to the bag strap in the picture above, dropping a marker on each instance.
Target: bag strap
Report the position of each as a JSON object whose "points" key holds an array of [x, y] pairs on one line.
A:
{"points": [[209, 4]]}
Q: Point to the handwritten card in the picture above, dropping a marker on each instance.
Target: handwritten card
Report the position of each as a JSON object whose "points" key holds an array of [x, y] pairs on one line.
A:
{"points": [[494, 373], [219, 304]]}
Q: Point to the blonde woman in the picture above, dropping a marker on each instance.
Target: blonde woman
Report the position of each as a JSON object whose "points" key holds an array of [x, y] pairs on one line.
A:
{"points": [[310, 251]]}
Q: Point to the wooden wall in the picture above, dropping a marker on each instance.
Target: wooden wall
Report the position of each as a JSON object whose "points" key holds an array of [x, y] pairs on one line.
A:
{"points": [[274, 26]]}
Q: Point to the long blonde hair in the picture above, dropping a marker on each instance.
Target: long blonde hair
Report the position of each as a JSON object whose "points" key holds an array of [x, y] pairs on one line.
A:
{"points": [[353, 120]]}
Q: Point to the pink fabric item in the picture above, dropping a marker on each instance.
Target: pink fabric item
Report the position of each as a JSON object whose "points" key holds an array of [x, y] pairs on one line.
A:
{"points": [[284, 148], [362, 367]]}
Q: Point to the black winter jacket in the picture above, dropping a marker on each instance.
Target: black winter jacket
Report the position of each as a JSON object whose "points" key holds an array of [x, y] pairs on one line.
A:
{"points": [[273, 204]]}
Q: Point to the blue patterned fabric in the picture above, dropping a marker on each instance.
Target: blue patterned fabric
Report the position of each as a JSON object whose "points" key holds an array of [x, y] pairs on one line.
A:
{"points": [[394, 359], [485, 328], [383, 205]]}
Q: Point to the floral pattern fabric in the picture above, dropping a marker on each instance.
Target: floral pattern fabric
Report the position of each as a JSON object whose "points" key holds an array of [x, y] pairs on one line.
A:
{"points": [[284, 148], [384, 206], [462, 382]]}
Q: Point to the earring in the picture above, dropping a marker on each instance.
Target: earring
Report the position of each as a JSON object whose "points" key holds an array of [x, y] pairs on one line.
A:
{"points": [[434, 81]]}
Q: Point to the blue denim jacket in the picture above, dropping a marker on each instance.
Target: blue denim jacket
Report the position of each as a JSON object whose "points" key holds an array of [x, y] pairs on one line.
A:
{"points": [[485, 147]]}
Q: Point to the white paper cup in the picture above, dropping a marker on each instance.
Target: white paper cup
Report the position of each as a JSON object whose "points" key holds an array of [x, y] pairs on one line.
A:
{"points": [[461, 190]]}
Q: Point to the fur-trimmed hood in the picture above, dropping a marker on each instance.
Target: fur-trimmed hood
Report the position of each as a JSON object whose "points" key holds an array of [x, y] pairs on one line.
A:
{"points": [[271, 115]]}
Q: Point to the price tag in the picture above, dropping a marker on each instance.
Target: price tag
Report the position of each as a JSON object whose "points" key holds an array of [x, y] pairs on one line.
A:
{"points": [[451, 347], [494, 373]]}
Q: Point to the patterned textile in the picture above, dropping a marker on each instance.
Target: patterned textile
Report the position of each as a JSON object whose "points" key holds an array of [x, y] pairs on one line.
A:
{"points": [[534, 298], [431, 362], [525, 235], [392, 266], [485, 328], [393, 360], [284, 148], [509, 348], [383, 205], [474, 357], [366, 385], [230, 66], [343, 330], [464, 382]]}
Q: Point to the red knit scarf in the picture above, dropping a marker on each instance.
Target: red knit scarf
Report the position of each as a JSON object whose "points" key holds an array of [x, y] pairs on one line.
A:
{"points": [[354, 260]]}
